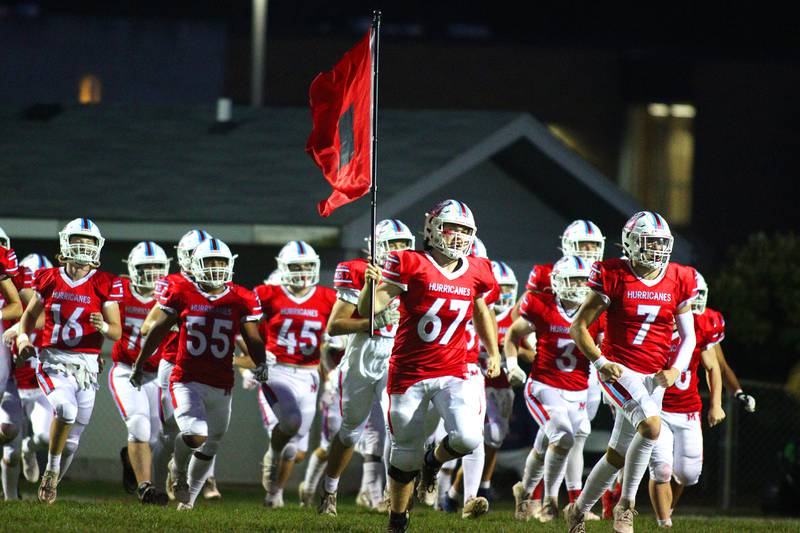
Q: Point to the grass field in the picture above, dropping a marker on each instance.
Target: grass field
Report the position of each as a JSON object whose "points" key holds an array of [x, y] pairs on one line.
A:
{"points": [[103, 507]]}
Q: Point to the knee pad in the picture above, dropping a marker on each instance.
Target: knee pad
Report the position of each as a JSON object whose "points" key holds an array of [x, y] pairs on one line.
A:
{"points": [[208, 448], [463, 443], [138, 428], [661, 472], [67, 412], [289, 452], [290, 424], [349, 436], [41, 441], [687, 473], [406, 460], [565, 441], [8, 432], [401, 476]]}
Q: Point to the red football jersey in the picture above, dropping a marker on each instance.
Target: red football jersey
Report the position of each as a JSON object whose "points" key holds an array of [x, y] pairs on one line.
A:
{"points": [[435, 306], [25, 376], [348, 280], [558, 361], [133, 309], [684, 397], [23, 280], [168, 349], [68, 304], [641, 313], [504, 321], [473, 342], [293, 326], [208, 328], [539, 278]]}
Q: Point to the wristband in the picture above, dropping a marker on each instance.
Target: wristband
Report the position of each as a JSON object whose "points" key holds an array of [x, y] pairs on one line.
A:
{"points": [[22, 338], [104, 327], [737, 393], [600, 362]]}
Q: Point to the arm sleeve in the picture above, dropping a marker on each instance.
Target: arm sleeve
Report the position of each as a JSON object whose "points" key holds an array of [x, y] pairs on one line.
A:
{"points": [[395, 270], [688, 286], [170, 300], [8, 263], [598, 282], [42, 282], [683, 357], [115, 293], [346, 283], [488, 289], [252, 311], [533, 279]]}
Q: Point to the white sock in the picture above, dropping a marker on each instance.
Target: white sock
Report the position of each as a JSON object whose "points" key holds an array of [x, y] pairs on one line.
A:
{"points": [[330, 484], [574, 473], [372, 480], [452, 493], [213, 464], [600, 479], [664, 523], [473, 471], [445, 479], [554, 466], [486, 484], [10, 479], [314, 471], [637, 459], [182, 455], [53, 462], [534, 470], [198, 473]]}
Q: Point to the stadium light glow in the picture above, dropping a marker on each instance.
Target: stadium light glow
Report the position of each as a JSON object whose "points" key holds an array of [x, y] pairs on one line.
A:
{"points": [[658, 110]]}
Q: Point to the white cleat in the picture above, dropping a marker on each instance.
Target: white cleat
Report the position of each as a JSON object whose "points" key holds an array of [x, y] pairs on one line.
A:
{"points": [[185, 506], [180, 485], [623, 519], [48, 486], [475, 507], [273, 501], [575, 519], [306, 498], [549, 511], [210, 490], [590, 516]]}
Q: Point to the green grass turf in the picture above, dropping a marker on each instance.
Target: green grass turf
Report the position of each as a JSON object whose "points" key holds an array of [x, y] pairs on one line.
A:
{"points": [[103, 507]]}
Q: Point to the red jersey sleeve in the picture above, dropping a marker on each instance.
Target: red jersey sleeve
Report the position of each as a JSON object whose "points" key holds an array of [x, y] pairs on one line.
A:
{"points": [[113, 290], [600, 282], [719, 334], [27, 279], [171, 300], [487, 283], [43, 282], [396, 269], [528, 307], [348, 281], [687, 277], [252, 306], [8, 263]]}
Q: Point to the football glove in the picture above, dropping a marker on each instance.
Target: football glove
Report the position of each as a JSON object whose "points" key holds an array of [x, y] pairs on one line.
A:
{"points": [[387, 317], [748, 401], [261, 373]]}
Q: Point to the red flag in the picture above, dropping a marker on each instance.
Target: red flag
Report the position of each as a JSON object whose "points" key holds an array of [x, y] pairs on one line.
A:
{"points": [[341, 138]]}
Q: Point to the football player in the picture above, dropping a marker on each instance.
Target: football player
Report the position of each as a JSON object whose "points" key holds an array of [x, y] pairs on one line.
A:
{"points": [[139, 407], [211, 311], [439, 290], [296, 313], [80, 304], [362, 375], [678, 456], [556, 391], [645, 295], [10, 303], [167, 355]]}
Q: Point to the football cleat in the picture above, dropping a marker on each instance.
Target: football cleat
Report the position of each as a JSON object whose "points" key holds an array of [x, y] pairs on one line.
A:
{"points": [[327, 503], [210, 490], [447, 504], [149, 495], [426, 481], [306, 498], [180, 485], [128, 476], [590, 516], [398, 523], [170, 480], [185, 506], [623, 519], [475, 507], [48, 486], [524, 507], [273, 501], [574, 518], [549, 511]]}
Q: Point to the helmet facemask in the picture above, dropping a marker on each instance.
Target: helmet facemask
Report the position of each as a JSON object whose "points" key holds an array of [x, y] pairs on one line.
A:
{"points": [[212, 271], [452, 240], [653, 251], [570, 289], [592, 251], [299, 274], [507, 299], [145, 275], [80, 248]]}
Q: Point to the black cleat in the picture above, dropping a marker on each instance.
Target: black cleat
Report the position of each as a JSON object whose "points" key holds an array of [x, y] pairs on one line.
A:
{"points": [[398, 522], [149, 495], [128, 476]]}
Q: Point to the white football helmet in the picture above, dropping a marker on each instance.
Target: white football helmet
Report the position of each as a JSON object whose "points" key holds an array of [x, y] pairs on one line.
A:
{"points": [[508, 286], [186, 246], [274, 278], [147, 262], [478, 249], [5, 240], [81, 253], [212, 275], [453, 244], [35, 262], [298, 253], [580, 232], [569, 277], [390, 230], [647, 240], [699, 303]]}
